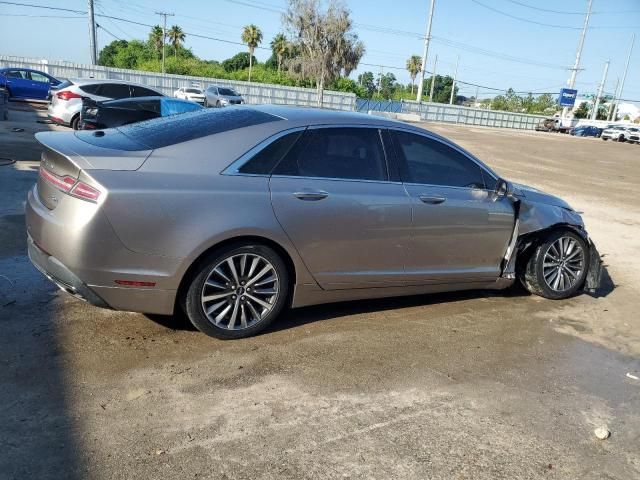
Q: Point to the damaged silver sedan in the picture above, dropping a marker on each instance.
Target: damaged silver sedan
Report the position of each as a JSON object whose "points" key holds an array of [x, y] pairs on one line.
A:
{"points": [[232, 215]]}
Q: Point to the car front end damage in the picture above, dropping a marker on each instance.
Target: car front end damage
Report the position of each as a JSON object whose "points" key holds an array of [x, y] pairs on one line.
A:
{"points": [[537, 214]]}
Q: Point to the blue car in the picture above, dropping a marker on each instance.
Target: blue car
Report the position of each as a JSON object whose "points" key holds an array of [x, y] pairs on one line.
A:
{"points": [[27, 84], [586, 131]]}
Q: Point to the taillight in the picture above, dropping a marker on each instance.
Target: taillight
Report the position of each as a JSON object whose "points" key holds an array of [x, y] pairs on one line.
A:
{"points": [[69, 185], [67, 95]]}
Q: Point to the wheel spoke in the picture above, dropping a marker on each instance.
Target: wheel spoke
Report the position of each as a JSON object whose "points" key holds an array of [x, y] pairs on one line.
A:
{"points": [[234, 314], [268, 291], [219, 271], [259, 275], [208, 298], [243, 317], [215, 284], [243, 262], [221, 315], [232, 268], [214, 307], [266, 281], [259, 301], [254, 312]]}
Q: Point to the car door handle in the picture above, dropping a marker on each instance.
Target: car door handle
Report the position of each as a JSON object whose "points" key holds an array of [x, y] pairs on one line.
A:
{"points": [[432, 199], [311, 195]]}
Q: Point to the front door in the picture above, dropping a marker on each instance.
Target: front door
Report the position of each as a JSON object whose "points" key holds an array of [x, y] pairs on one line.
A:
{"points": [[461, 228], [332, 195]]}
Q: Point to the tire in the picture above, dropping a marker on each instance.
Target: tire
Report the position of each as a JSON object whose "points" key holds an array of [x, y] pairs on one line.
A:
{"points": [[205, 104], [604, 139], [540, 275], [75, 122], [621, 138], [218, 104], [233, 312]]}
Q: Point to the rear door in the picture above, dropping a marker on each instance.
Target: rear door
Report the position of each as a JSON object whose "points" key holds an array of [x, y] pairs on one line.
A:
{"points": [[460, 228], [349, 220], [19, 83]]}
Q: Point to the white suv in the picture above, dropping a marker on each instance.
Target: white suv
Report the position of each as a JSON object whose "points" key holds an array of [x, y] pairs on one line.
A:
{"points": [[614, 132], [193, 94], [632, 135], [66, 101]]}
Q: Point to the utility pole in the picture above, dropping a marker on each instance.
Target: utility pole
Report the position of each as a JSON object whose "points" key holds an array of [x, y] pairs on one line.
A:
{"points": [[433, 79], [596, 103], [164, 32], [427, 39], [576, 65], [92, 35], [455, 77], [624, 76], [476, 97], [613, 101]]}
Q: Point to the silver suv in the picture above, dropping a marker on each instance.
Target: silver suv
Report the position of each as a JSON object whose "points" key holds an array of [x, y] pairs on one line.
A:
{"points": [[66, 101], [217, 96]]}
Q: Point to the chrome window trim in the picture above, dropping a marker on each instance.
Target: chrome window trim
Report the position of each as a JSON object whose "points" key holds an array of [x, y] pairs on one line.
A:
{"points": [[444, 141]]}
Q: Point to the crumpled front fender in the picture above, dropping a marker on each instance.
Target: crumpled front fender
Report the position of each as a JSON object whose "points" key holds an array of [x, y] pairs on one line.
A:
{"points": [[534, 216]]}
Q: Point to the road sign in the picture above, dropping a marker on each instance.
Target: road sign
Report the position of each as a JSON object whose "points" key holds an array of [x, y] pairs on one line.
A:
{"points": [[567, 97]]}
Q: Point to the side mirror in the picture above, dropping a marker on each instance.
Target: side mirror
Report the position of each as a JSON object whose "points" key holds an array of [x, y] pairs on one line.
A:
{"points": [[503, 188]]}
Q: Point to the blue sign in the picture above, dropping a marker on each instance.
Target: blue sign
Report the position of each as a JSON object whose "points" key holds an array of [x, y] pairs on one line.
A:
{"points": [[567, 97]]}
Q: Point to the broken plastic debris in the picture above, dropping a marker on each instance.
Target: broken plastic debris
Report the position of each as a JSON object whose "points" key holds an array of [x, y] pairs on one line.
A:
{"points": [[602, 433], [634, 377]]}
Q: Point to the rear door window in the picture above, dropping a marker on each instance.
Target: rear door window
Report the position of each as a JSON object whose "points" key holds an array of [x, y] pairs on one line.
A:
{"points": [[38, 77], [93, 89], [143, 92], [345, 153], [263, 162], [432, 162], [114, 90]]}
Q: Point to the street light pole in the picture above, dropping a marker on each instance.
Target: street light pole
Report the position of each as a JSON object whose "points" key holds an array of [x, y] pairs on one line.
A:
{"points": [[596, 103], [433, 78], [427, 39], [455, 77], [164, 32], [576, 65], [624, 76]]}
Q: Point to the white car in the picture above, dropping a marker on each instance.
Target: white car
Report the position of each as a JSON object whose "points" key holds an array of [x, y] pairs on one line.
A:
{"points": [[66, 101], [632, 135], [193, 94], [614, 132]]}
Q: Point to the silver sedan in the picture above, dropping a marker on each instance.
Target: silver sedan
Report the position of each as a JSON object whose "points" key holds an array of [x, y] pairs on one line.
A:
{"points": [[233, 215]]}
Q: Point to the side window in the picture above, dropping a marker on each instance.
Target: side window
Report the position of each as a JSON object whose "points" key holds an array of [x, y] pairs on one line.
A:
{"points": [[114, 90], [16, 74], [428, 161], [143, 92], [349, 153], [263, 162], [38, 77], [91, 89]]}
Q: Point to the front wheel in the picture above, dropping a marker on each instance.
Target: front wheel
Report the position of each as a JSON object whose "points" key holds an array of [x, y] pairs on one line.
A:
{"points": [[206, 104], [558, 266], [237, 291]]}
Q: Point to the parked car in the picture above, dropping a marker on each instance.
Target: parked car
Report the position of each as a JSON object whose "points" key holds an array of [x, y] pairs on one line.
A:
{"points": [[632, 135], [115, 113], [216, 96], [586, 131], [27, 84], [615, 133], [66, 102], [553, 124], [192, 94], [241, 212]]}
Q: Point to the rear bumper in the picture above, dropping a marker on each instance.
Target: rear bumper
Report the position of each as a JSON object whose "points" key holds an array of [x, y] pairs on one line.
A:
{"points": [[60, 275]]}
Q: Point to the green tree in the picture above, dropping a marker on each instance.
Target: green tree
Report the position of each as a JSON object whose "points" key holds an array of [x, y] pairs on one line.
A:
{"points": [[279, 47], [366, 80], [545, 103], [156, 38], [442, 88], [239, 61], [414, 66], [252, 36], [176, 37], [106, 57], [582, 111], [387, 85]]}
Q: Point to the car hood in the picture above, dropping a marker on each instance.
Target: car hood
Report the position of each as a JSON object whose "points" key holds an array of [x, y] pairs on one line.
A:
{"points": [[531, 194]]}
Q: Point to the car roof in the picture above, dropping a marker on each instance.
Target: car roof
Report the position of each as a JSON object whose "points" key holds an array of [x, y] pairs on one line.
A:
{"points": [[88, 81], [146, 99]]}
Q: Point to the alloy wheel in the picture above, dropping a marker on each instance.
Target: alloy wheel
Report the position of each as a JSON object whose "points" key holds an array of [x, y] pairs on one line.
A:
{"points": [[563, 264], [240, 291]]}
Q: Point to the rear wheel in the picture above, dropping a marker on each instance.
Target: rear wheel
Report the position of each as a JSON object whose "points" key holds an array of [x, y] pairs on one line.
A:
{"points": [[75, 122], [237, 291], [218, 104], [558, 266]]}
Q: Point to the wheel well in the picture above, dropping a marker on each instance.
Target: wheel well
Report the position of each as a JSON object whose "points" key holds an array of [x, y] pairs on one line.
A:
{"points": [[252, 239], [529, 241]]}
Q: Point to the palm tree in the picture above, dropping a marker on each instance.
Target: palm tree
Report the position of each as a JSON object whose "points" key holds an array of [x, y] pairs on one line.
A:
{"points": [[156, 38], [414, 66], [280, 47], [252, 36], [176, 37]]}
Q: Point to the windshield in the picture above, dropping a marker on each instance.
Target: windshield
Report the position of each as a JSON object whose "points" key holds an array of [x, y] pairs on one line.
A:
{"points": [[193, 90], [229, 92]]}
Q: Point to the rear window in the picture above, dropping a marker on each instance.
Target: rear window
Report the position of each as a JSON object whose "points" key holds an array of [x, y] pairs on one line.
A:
{"points": [[193, 90], [228, 92], [161, 132]]}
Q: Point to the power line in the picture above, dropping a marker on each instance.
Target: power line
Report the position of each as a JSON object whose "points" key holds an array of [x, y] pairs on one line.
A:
{"points": [[36, 16], [564, 12], [107, 31], [43, 6]]}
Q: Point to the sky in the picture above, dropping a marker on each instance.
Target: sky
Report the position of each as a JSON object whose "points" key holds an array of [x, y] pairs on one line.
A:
{"points": [[528, 45]]}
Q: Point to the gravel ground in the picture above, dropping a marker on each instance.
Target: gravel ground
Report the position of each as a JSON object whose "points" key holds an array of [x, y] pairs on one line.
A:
{"points": [[481, 385]]}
